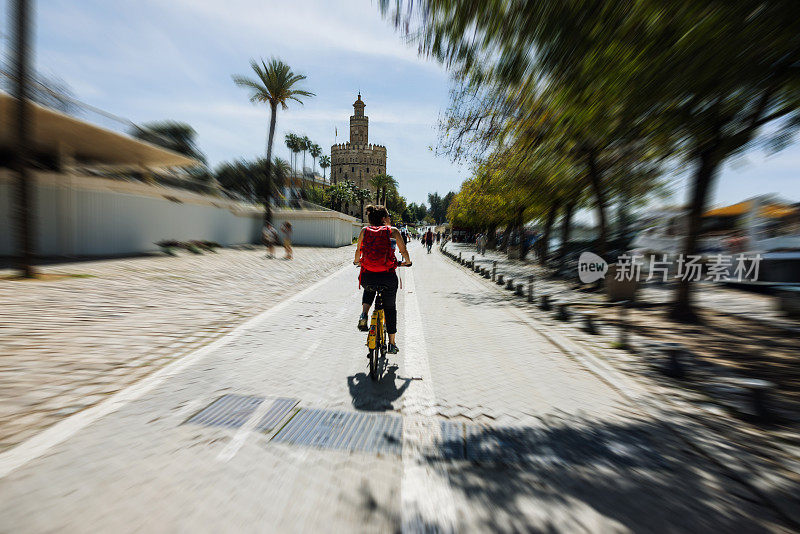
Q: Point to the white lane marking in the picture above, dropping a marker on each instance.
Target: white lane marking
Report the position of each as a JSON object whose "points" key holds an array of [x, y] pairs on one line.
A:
{"points": [[39, 444], [244, 431], [426, 497]]}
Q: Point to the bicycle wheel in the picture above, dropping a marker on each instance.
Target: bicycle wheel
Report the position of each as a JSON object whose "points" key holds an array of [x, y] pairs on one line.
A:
{"points": [[382, 335], [373, 363]]}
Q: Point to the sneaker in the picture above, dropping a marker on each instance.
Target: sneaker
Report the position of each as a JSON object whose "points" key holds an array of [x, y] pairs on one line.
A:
{"points": [[362, 322], [392, 349]]}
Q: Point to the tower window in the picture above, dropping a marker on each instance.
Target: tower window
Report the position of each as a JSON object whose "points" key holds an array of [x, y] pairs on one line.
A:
{"points": [[352, 169], [367, 169]]}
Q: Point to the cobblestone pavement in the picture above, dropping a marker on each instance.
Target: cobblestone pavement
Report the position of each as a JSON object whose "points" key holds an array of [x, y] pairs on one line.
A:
{"points": [[71, 341], [501, 432]]}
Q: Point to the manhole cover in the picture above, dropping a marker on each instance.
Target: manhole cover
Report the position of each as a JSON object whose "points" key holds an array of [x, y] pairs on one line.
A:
{"points": [[348, 431], [229, 410]]}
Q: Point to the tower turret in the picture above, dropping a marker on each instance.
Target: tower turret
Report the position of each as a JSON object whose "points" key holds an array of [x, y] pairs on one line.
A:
{"points": [[359, 123]]}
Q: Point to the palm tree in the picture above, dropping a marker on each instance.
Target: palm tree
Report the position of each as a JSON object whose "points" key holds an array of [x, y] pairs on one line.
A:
{"points": [[382, 184], [315, 150], [325, 162], [305, 144], [291, 141], [282, 170], [274, 85], [364, 194], [378, 182]]}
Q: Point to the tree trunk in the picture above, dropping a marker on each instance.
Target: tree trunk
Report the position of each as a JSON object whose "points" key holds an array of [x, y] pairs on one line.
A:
{"points": [[682, 308], [268, 200], [597, 189], [21, 14], [544, 241], [506, 238], [492, 238], [566, 227], [523, 247]]}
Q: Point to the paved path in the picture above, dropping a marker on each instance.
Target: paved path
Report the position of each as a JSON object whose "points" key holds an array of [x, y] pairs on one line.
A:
{"points": [[69, 343], [482, 426]]}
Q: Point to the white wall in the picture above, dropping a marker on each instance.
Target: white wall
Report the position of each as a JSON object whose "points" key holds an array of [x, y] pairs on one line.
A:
{"points": [[85, 216], [90, 216], [317, 228]]}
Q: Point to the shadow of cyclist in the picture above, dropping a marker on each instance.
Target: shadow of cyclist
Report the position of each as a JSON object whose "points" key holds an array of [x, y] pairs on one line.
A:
{"points": [[376, 396]]}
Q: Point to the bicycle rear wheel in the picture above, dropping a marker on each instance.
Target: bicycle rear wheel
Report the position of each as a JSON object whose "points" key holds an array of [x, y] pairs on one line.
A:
{"points": [[373, 363]]}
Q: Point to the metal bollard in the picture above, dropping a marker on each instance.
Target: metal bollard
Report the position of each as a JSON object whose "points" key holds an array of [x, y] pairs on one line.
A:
{"points": [[544, 301], [459, 259], [494, 270], [588, 323], [500, 279], [510, 284], [520, 291], [623, 318], [562, 310], [759, 396], [673, 367], [530, 288]]}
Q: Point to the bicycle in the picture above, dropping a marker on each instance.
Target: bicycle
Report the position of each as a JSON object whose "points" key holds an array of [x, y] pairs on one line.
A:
{"points": [[376, 335]]}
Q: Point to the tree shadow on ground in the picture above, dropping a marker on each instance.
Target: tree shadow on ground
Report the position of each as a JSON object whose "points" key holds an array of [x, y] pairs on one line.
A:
{"points": [[593, 476], [376, 395], [481, 299]]}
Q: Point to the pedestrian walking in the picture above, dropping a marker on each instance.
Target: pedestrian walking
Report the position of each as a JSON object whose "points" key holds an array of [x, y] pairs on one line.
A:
{"points": [[287, 239], [269, 238]]}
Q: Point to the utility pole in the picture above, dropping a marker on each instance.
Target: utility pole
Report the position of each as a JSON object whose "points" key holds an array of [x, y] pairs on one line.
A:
{"points": [[21, 14]]}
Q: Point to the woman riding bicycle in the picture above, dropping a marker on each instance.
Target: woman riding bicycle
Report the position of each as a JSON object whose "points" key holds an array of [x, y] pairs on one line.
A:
{"points": [[375, 255]]}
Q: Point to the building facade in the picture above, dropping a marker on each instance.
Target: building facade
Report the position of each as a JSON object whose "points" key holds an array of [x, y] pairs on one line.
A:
{"points": [[357, 160]]}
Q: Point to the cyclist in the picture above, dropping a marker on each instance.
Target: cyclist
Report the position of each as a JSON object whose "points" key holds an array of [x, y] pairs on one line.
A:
{"points": [[375, 256]]}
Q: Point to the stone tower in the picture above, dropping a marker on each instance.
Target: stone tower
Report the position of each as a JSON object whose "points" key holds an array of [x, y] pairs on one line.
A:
{"points": [[357, 160], [359, 123]]}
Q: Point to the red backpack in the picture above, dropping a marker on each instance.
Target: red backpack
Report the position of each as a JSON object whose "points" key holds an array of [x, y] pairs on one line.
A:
{"points": [[376, 249]]}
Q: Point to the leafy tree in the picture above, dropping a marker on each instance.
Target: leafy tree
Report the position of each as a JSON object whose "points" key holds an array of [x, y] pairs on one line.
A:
{"points": [[274, 85], [173, 135], [251, 180], [699, 80]]}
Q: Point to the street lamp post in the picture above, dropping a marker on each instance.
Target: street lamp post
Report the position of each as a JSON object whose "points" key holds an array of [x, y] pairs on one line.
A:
{"points": [[20, 14]]}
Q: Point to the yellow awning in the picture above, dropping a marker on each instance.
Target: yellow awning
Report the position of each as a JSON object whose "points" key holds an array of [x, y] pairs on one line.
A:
{"points": [[772, 211], [56, 133]]}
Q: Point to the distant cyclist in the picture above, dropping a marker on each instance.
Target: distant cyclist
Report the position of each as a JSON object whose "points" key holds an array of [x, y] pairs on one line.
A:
{"points": [[375, 255]]}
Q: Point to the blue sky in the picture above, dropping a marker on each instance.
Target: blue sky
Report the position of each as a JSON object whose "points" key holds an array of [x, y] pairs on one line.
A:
{"points": [[173, 59]]}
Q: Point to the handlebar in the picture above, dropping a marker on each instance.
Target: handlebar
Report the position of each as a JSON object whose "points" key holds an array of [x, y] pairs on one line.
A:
{"points": [[398, 265]]}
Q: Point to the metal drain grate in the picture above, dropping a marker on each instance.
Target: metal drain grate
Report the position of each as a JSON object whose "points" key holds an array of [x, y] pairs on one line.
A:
{"points": [[452, 444], [229, 410], [348, 431], [280, 408]]}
